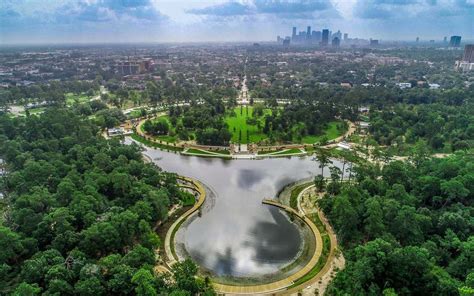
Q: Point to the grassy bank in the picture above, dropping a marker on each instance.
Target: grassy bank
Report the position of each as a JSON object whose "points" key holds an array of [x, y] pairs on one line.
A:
{"points": [[149, 143], [324, 255]]}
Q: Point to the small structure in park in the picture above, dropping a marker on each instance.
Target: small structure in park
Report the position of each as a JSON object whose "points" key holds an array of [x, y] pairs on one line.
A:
{"points": [[344, 145]]}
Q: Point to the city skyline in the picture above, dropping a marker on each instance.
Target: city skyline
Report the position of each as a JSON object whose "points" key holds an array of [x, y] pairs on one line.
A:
{"points": [[127, 21]]}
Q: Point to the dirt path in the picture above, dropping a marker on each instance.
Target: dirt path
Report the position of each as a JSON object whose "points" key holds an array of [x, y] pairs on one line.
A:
{"points": [[306, 204]]}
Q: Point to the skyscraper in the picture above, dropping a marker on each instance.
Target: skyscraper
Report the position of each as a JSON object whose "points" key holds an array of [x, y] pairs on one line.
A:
{"points": [[293, 36], [336, 42], [468, 53], [445, 39], [317, 36], [346, 36], [455, 41], [308, 33], [325, 38], [417, 39]]}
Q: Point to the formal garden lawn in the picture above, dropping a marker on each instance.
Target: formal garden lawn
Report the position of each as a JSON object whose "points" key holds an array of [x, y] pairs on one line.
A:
{"points": [[72, 99], [239, 123], [171, 137], [330, 133]]}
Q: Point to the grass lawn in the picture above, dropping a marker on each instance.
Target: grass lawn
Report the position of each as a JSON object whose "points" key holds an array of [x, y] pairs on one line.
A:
{"points": [[295, 192], [214, 153], [198, 151], [34, 110], [72, 99], [331, 133], [165, 138], [239, 123], [142, 140], [287, 152]]}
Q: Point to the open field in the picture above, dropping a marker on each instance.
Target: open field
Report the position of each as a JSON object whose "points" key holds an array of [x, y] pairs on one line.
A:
{"points": [[72, 99], [331, 133], [239, 123]]}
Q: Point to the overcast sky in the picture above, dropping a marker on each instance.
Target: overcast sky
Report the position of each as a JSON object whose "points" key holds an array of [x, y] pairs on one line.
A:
{"points": [[66, 21]]}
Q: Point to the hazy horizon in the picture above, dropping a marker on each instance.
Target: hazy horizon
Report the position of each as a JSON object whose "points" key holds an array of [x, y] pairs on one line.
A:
{"points": [[34, 22]]}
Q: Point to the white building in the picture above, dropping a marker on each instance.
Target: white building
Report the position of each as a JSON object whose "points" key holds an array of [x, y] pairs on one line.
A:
{"points": [[464, 66], [344, 145], [403, 85]]}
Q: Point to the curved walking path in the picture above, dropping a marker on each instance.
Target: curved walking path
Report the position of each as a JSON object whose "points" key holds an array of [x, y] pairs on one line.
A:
{"points": [[322, 279], [196, 185]]}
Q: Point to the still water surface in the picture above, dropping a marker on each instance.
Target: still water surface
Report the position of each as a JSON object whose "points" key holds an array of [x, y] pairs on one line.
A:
{"points": [[238, 236]]}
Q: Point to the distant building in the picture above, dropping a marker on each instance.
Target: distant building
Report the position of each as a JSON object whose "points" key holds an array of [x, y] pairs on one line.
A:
{"points": [[317, 36], [293, 35], [464, 66], [134, 67], [308, 33], [445, 39], [346, 37], [417, 39], [346, 84], [338, 34], [468, 55], [287, 41], [374, 42], [455, 41], [467, 62], [403, 85], [336, 42], [434, 85], [325, 37]]}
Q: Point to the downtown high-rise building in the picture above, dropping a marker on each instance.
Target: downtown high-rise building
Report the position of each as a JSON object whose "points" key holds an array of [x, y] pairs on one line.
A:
{"points": [[455, 41], [308, 33], [468, 55], [293, 35], [325, 37]]}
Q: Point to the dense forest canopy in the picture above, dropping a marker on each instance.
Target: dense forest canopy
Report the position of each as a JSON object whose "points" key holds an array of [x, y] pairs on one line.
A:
{"points": [[406, 229], [82, 214]]}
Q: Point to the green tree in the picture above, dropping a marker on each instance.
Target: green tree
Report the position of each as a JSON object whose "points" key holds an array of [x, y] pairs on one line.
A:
{"points": [[144, 283]]}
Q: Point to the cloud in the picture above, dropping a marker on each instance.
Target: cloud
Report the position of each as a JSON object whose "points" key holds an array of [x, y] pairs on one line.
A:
{"points": [[109, 10], [403, 9], [290, 9], [83, 11], [225, 9]]}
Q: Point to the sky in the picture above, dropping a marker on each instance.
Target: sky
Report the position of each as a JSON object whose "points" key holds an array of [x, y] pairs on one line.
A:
{"points": [[123, 21]]}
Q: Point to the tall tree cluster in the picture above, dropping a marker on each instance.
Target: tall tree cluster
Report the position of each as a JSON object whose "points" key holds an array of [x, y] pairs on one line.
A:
{"points": [[406, 229], [81, 212]]}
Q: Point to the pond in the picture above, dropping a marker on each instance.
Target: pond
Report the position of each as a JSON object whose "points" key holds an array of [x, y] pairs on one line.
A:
{"points": [[236, 235]]}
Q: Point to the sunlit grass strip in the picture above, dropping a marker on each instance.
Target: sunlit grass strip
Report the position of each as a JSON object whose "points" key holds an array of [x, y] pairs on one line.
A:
{"points": [[294, 194], [205, 153], [324, 255], [149, 143]]}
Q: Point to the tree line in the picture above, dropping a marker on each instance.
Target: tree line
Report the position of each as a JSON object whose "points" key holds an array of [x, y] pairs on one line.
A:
{"points": [[81, 213]]}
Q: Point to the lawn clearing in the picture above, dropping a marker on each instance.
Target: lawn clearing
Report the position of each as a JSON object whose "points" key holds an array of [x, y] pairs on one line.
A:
{"points": [[72, 99], [239, 123], [331, 133]]}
